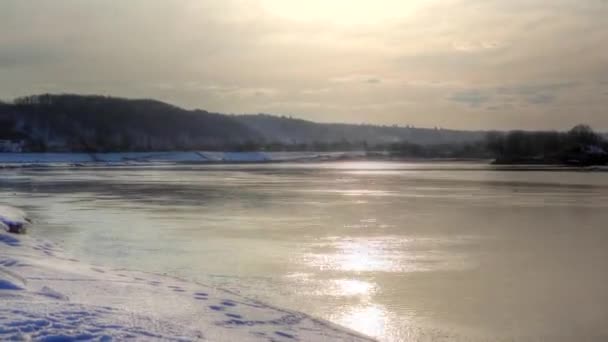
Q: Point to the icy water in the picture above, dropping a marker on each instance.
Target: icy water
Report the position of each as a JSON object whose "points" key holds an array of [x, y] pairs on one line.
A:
{"points": [[420, 252]]}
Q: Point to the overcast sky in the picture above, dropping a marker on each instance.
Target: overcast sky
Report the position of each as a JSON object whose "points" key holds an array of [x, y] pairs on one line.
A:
{"points": [[450, 63]]}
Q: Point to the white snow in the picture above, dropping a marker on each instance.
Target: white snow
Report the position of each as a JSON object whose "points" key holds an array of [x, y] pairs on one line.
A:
{"points": [[12, 219], [43, 158], [236, 156], [149, 157], [47, 296], [49, 159]]}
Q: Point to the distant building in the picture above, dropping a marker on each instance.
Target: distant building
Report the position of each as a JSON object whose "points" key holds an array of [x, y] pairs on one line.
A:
{"points": [[14, 146], [595, 150]]}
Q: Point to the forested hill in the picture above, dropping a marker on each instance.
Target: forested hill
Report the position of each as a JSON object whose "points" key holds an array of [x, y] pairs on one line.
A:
{"points": [[98, 123], [293, 131]]}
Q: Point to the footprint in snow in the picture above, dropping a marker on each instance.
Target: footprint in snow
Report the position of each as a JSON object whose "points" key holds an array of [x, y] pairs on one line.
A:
{"points": [[8, 285], [48, 292], [228, 303], [176, 288], [8, 262], [286, 335], [201, 296], [69, 322], [11, 262], [9, 240], [10, 280]]}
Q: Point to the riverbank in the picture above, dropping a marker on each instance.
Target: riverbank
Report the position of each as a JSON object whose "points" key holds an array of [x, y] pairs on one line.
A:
{"points": [[195, 157], [48, 296], [125, 159]]}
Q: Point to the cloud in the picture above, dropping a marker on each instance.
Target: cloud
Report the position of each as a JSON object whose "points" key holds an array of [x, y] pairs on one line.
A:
{"points": [[530, 63], [315, 91], [232, 90], [539, 99], [356, 79], [473, 98], [505, 97], [477, 46], [535, 89]]}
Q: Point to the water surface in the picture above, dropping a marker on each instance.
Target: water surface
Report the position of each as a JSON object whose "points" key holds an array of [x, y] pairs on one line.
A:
{"points": [[397, 251]]}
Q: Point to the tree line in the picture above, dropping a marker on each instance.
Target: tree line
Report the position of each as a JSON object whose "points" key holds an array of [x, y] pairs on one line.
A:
{"points": [[76, 123], [580, 145]]}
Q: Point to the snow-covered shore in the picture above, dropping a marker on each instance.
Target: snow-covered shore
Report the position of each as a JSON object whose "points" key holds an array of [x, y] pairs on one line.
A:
{"points": [[168, 157], [47, 296]]}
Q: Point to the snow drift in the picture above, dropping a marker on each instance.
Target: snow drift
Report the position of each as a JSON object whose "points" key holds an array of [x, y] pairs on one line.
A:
{"points": [[13, 220]]}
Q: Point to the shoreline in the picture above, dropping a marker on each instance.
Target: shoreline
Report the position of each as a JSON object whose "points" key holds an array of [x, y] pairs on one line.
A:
{"points": [[48, 295], [201, 158]]}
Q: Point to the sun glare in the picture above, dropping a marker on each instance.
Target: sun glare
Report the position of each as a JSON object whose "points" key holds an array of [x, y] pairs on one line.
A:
{"points": [[368, 319], [341, 11]]}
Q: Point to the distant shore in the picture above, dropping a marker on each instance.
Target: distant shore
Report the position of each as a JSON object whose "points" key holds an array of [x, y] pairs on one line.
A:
{"points": [[208, 157], [76, 159]]}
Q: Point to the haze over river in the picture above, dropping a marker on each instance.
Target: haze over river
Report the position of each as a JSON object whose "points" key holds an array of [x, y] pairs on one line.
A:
{"points": [[397, 251]]}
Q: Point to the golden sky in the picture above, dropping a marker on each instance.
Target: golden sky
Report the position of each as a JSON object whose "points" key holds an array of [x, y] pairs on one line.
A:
{"points": [[449, 63]]}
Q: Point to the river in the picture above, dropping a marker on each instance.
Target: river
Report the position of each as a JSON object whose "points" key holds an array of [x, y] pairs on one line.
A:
{"points": [[398, 251]]}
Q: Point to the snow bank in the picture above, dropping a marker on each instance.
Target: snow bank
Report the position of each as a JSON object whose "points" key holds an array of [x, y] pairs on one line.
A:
{"points": [[149, 157], [44, 158], [236, 156], [47, 296], [169, 157], [13, 220]]}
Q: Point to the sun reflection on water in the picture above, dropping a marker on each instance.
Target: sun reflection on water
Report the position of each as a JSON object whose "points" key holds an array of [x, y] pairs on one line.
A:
{"points": [[354, 256], [348, 288], [354, 287], [387, 254], [352, 265], [369, 319]]}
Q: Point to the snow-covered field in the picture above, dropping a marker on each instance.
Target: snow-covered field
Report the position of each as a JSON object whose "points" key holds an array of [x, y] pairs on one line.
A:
{"points": [[45, 295]]}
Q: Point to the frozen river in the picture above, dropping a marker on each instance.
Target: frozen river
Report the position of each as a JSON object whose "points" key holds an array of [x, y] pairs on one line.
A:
{"points": [[396, 251]]}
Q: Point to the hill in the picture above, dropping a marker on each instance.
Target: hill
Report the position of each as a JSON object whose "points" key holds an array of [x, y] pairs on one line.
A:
{"points": [[297, 131], [97, 123], [78, 123]]}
